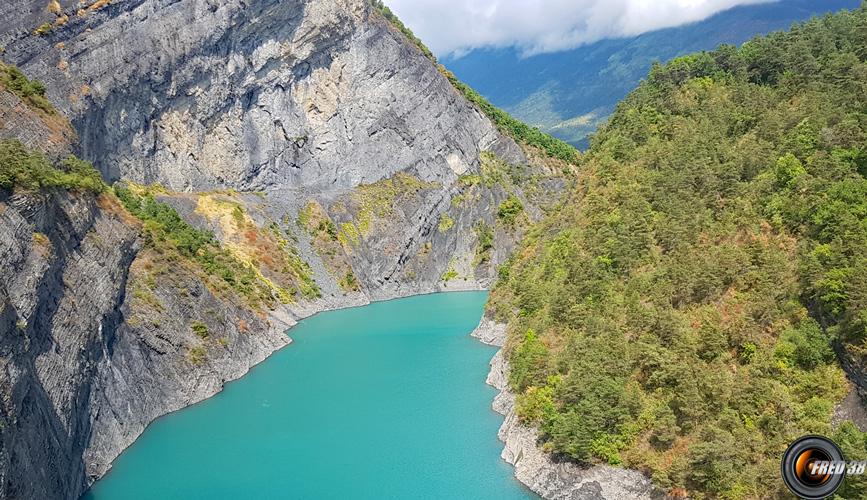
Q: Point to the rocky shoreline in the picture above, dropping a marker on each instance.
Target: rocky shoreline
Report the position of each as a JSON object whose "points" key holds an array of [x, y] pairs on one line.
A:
{"points": [[273, 109], [101, 454], [534, 467]]}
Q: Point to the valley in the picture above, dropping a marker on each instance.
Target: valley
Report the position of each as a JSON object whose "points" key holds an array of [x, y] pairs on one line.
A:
{"points": [[185, 183]]}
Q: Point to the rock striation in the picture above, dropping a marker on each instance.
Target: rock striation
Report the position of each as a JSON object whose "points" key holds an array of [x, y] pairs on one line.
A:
{"points": [[283, 110], [199, 94]]}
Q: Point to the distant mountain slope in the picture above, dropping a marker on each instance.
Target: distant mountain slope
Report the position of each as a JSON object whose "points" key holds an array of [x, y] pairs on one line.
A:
{"points": [[569, 93]]}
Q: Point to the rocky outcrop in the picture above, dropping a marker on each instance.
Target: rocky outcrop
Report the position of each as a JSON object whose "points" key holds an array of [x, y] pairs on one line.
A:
{"points": [[281, 108], [157, 363], [536, 468], [197, 94], [64, 267], [300, 100], [80, 373], [35, 129]]}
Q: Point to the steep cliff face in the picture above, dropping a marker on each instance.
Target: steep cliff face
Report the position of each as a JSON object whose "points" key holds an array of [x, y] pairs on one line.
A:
{"points": [[87, 365], [331, 159], [64, 267], [303, 100], [92, 349], [196, 94]]}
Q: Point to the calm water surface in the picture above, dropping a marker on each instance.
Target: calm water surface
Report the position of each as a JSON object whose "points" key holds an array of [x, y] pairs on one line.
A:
{"points": [[382, 401]]}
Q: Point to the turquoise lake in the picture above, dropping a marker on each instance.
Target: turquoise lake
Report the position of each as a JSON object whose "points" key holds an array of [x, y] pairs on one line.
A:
{"points": [[383, 401]]}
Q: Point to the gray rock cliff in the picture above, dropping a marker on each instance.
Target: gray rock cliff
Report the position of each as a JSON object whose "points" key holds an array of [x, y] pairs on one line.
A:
{"points": [[197, 94], [335, 139]]}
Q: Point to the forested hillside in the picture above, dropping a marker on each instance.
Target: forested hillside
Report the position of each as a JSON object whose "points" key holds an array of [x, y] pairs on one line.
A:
{"points": [[679, 315], [570, 93]]}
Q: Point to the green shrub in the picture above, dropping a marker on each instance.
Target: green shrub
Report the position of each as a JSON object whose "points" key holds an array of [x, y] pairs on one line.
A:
{"points": [[43, 29], [485, 236], [510, 209], [349, 282], [197, 355], [200, 329], [30, 91], [33, 171], [445, 223], [450, 274]]}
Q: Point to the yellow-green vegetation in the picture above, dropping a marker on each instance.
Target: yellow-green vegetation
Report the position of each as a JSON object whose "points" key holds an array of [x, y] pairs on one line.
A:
{"points": [[146, 270], [41, 240], [677, 314], [349, 282], [509, 210], [200, 329], [377, 201], [197, 355], [55, 8], [445, 223], [485, 237], [149, 268], [174, 239], [329, 243], [459, 200], [494, 171], [95, 6], [145, 295], [450, 274], [470, 180], [30, 91], [43, 29], [293, 264], [496, 174], [349, 235], [305, 215], [275, 260], [33, 171]]}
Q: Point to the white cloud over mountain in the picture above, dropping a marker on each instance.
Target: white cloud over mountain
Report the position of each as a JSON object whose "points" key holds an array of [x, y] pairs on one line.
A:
{"points": [[536, 26]]}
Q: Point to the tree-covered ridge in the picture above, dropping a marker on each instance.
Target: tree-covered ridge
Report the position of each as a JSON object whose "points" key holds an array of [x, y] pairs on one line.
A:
{"points": [[571, 93], [677, 315]]}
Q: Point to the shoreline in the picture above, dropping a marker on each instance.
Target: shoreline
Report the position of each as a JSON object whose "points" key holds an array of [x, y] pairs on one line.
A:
{"points": [[534, 467], [283, 320]]}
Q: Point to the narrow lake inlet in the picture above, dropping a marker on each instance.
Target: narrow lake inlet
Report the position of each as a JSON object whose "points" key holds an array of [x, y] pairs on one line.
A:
{"points": [[382, 401]]}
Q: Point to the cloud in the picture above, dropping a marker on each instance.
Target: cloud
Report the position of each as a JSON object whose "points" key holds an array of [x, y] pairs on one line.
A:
{"points": [[537, 26]]}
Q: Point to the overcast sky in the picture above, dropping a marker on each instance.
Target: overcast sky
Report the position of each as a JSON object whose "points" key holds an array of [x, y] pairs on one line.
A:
{"points": [[535, 26]]}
